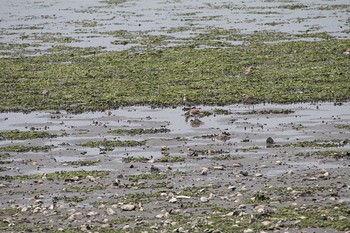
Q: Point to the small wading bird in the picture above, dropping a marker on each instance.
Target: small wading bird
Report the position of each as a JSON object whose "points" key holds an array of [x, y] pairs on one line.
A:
{"points": [[108, 112], [347, 51], [248, 71], [193, 112], [46, 92], [249, 100], [186, 100]]}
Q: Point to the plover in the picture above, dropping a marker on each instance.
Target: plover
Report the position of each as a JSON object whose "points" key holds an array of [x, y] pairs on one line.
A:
{"points": [[248, 71], [46, 92]]}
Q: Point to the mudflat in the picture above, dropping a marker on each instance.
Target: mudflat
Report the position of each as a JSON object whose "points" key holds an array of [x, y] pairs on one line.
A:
{"points": [[237, 168]]}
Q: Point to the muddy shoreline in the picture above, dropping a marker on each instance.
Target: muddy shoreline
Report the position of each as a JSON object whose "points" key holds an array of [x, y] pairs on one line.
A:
{"points": [[187, 180]]}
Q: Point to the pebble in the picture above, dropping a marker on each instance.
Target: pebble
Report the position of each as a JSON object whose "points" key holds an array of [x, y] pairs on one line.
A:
{"points": [[204, 199], [270, 140], [110, 211], [237, 165], [204, 171], [248, 230], [173, 200], [183, 197], [128, 207], [231, 187], [278, 162], [258, 175], [219, 168], [266, 223], [92, 213]]}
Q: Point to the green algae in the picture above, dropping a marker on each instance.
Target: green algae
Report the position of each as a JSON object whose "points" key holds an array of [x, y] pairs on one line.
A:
{"points": [[83, 162], [140, 159], [139, 131], [327, 153], [23, 135], [324, 144], [285, 72], [63, 175], [152, 176], [109, 145], [20, 148], [170, 159]]}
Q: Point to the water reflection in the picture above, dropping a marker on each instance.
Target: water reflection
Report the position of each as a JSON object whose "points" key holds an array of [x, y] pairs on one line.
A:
{"points": [[195, 123]]}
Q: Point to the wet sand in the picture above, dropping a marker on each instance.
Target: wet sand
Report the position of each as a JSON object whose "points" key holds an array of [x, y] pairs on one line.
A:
{"points": [[223, 174]]}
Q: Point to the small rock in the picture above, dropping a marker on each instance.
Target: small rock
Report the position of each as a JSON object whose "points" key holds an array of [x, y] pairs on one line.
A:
{"points": [[266, 223], [204, 199], [231, 187], [218, 168], [270, 140], [278, 162], [248, 230], [243, 173], [92, 213], [183, 197], [237, 165], [258, 175], [173, 200], [128, 207], [110, 211], [204, 171]]}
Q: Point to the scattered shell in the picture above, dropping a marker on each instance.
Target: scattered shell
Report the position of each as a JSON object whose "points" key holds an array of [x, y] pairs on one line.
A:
{"points": [[237, 165], [128, 207], [204, 199], [183, 197], [258, 175], [248, 230], [110, 211], [92, 213], [231, 187], [204, 171], [218, 168], [173, 200], [278, 162], [266, 223]]}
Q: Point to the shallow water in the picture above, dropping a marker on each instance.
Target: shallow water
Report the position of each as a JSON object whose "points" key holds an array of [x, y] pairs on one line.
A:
{"points": [[43, 24]]}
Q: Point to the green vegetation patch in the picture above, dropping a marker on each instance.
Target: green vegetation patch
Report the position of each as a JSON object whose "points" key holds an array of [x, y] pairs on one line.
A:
{"points": [[84, 189], [5, 156], [327, 153], [139, 131], [268, 111], [343, 126], [152, 176], [63, 175], [315, 143], [67, 175], [170, 159], [20, 148], [285, 72], [139, 159], [23, 135], [69, 198], [83, 162], [109, 145]]}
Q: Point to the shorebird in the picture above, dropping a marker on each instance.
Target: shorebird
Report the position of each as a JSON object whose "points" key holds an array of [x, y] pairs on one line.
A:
{"points": [[186, 100], [108, 112], [193, 112], [248, 71], [46, 92], [250, 100], [347, 51]]}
